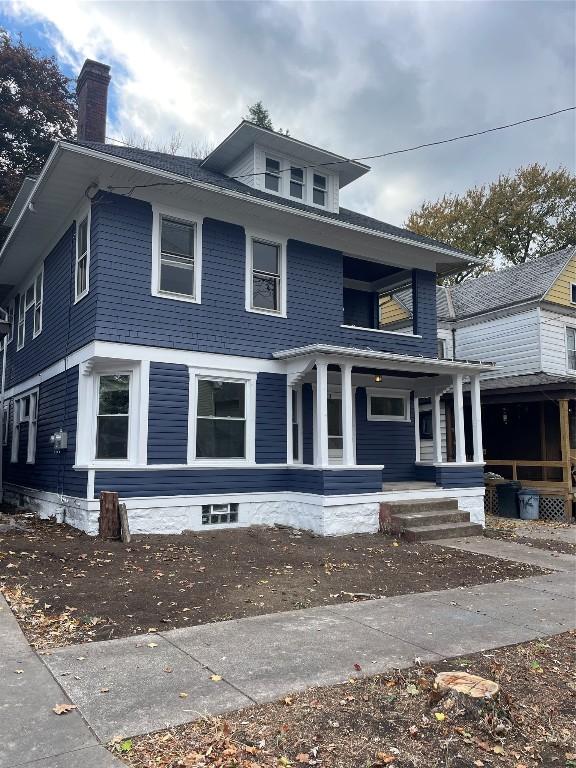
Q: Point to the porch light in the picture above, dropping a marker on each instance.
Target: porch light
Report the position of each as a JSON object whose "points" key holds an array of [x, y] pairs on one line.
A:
{"points": [[378, 378]]}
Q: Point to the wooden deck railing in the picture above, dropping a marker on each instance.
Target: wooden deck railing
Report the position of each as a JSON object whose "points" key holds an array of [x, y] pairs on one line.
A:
{"points": [[562, 485]]}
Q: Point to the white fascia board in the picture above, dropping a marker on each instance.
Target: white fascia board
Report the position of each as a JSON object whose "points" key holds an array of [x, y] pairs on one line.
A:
{"points": [[326, 221]]}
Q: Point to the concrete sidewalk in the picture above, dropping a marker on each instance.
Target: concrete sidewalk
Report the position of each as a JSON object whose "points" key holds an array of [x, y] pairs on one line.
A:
{"points": [[263, 658], [511, 550], [31, 734]]}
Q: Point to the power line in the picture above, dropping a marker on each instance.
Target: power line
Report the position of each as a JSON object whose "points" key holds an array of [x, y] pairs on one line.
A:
{"points": [[370, 157]]}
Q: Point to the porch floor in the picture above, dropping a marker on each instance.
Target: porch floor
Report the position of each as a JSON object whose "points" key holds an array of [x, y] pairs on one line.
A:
{"points": [[411, 485]]}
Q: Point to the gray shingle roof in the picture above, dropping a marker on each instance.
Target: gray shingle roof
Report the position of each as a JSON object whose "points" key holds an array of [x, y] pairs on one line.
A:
{"points": [[496, 290], [190, 168]]}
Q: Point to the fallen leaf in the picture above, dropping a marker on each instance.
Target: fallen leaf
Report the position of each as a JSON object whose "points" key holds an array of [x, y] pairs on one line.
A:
{"points": [[18, 671], [126, 745], [357, 667], [104, 690], [440, 716], [215, 678], [384, 758], [152, 645], [412, 689], [62, 709], [498, 749], [183, 695], [303, 757]]}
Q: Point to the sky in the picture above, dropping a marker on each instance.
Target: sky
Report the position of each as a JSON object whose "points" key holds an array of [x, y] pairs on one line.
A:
{"points": [[358, 78]]}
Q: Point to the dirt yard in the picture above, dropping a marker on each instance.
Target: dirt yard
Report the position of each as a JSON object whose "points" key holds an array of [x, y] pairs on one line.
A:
{"points": [[66, 587], [512, 530], [394, 721]]}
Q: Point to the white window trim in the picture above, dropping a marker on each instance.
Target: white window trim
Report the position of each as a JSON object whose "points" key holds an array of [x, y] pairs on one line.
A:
{"points": [[5, 423], [11, 309], [289, 423], [568, 327], [32, 285], [21, 303], [572, 287], [18, 419], [186, 217], [398, 393], [32, 426], [281, 174], [282, 242], [86, 425], [302, 184], [249, 380], [38, 331], [327, 190], [84, 213]]}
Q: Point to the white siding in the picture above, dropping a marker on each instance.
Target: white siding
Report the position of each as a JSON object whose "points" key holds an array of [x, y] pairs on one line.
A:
{"points": [[511, 341], [446, 334], [242, 166], [553, 333], [427, 446]]}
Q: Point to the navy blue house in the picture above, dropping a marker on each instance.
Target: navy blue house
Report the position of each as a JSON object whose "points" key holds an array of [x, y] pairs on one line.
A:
{"points": [[206, 337]]}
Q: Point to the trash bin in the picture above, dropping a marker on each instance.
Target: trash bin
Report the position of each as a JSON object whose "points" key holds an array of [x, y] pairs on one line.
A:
{"points": [[508, 498], [529, 504]]}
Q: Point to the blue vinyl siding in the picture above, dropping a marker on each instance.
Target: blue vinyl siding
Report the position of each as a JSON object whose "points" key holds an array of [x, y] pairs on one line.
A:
{"points": [[227, 481], [168, 414], [360, 308], [451, 477], [57, 406], [271, 424], [391, 443], [122, 240], [65, 326]]}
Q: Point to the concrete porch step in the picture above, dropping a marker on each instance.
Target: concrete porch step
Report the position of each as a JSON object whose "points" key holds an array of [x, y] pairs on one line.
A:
{"points": [[441, 531], [402, 520], [402, 507]]}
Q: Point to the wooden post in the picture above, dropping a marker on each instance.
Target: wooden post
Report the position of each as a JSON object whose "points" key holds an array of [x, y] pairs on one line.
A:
{"points": [[109, 515], [543, 446], [566, 461], [124, 528]]}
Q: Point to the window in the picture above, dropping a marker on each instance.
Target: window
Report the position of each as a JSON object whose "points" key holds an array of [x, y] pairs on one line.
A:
{"points": [[296, 425], [38, 296], [571, 348], [425, 419], [272, 175], [21, 333], [441, 349], [388, 405], [82, 257], [266, 289], [29, 296], [15, 433], [113, 416], [219, 514], [220, 419], [11, 321], [319, 187], [32, 406], [335, 435], [297, 182], [573, 293], [177, 251], [5, 423]]}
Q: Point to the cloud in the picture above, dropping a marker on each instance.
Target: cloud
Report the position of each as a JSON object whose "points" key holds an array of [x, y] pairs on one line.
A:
{"points": [[358, 78]]}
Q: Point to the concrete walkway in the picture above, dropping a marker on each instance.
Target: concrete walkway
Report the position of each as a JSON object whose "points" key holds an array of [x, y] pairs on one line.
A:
{"points": [[510, 550], [31, 734], [266, 657]]}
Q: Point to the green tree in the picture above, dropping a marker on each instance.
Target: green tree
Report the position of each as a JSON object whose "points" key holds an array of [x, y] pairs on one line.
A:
{"points": [[37, 108], [259, 115], [516, 218]]}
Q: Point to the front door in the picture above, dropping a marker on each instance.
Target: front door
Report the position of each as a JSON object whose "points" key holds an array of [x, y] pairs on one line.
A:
{"points": [[335, 440]]}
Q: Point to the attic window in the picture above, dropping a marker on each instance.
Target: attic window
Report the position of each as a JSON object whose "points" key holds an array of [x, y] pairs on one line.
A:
{"points": [[297, 182], [272, 177], [319, 189]]}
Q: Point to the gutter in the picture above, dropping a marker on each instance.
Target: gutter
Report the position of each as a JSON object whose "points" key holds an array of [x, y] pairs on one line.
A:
{"points": [[258, 201]]}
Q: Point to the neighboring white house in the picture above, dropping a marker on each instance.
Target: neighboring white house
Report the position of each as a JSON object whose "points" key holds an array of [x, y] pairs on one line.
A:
{"points": [[524, 320]]}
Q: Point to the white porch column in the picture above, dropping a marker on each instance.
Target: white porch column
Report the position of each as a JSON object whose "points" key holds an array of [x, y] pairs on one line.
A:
{"points": [[436, 427], [417, 426], [476, 418], [459, 419], [321, 413], [347, 418]]}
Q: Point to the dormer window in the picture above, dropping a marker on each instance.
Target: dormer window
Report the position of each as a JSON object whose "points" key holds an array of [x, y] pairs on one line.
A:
{"points": [[319, 189], [297, 182], [272, 176]]}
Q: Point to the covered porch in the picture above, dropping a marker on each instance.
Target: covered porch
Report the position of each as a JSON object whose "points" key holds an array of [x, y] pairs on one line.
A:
{"points": [[350, 411]]}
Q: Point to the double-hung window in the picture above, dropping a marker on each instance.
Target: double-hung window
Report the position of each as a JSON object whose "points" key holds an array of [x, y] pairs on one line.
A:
{"points": [[221, 419], [38, 299], [21, 331], [319, 189], [112, 416], [297, 182], [296, 418], [266, 279], [82, 258], [32, 401], [272, 175], [571, 348], [177, 258], [388, 405], [25, 412]]}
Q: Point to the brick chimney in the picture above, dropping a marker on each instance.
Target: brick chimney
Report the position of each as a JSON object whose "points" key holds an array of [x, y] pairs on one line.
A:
{"points": [[92, 94]]}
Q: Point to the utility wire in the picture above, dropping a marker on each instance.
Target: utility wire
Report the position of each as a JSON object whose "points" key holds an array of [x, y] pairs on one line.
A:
{"points": [[373, 157]]}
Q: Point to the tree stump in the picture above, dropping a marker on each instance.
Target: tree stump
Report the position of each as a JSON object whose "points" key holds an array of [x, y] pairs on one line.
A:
{"points": [[462, 693], [124, 528], [109, 523]]}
